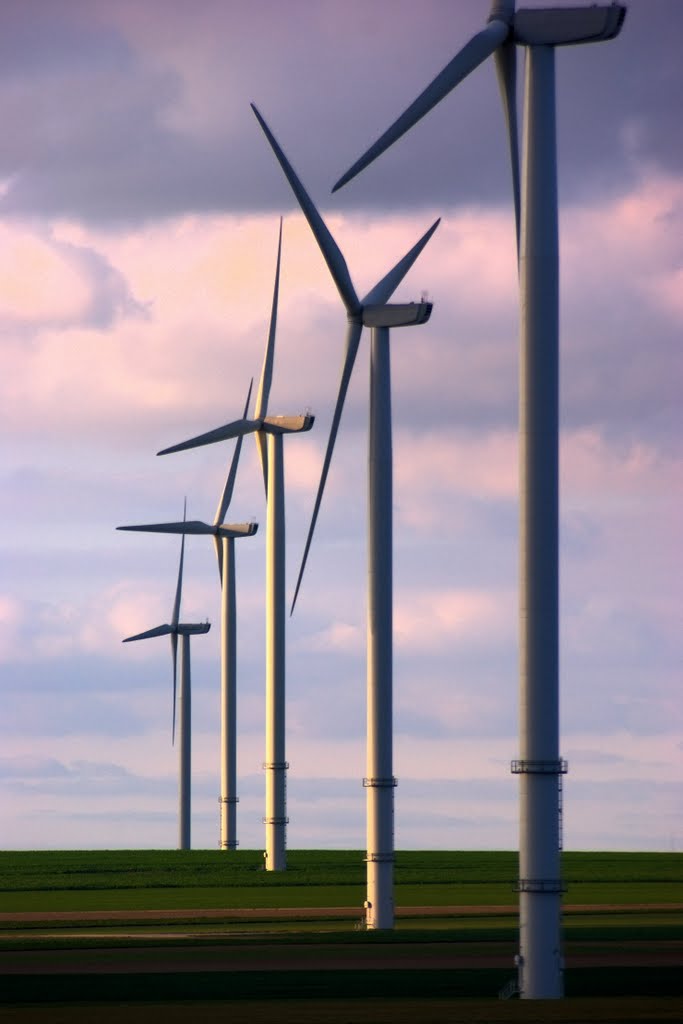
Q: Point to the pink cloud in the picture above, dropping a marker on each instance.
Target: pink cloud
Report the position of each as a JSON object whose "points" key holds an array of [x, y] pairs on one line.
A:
{"points": [[438, 463], [593, 466], [437, 619], [634, 239], [340, 636], [39, 284]]}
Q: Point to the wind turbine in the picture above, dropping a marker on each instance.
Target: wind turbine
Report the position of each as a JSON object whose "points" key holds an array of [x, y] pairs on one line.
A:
{"points": [[373, 311], [184, 630], [270, 431], [224, 536], [539, 767]]}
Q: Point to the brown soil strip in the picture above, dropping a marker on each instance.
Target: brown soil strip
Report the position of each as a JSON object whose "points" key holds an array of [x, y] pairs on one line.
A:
{"points": [[314, 913]]}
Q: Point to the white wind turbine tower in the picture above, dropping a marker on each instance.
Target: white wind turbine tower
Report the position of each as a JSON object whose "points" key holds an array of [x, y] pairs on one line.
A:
{"points": [[224, 536], [373, 311], [269, 431], [539, 766], [184, 630]]}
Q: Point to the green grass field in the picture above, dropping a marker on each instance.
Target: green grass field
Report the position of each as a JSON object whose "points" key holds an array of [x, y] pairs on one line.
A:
{"points": [[187, 881], [157, 879]]}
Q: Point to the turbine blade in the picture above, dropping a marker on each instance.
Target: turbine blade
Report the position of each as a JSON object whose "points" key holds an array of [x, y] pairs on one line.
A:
{"points": [[218, 547], [352, 341], [267, 371], [383, 291], [329, 248], [235, 429], [179, 585], [474, 53], [193, 526], [156, 631], [226, 496], [262, 447], [261, 410], [506, 69], [174, 655], [176, 618]]}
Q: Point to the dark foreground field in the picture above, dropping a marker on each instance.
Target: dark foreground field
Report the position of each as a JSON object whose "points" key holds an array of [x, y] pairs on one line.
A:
{"points": [[206, 936]]}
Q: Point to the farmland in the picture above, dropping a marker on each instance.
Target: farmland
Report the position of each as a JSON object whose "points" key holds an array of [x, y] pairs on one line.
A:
{"points": [[85, 927], [158, 879]]}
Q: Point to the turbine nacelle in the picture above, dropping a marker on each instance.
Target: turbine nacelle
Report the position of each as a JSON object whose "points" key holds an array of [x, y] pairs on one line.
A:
{"points": [[567, 26], [287, 424], [397, 314], [193, 628], [236, 530]]}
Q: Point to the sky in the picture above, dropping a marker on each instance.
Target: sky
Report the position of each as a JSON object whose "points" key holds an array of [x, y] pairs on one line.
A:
{"points": [[139, 208]]}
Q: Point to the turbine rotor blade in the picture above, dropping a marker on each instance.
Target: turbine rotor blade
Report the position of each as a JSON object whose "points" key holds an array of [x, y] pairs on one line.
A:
{"points": [[174, 655], [474, 53], [218, 547], [506, 69], [352, 341], [383, 291], [179, 586], [263, 395], [148, 633], [235, 429], [193, 526], [262, 448], [229, 487], [329, 248]]}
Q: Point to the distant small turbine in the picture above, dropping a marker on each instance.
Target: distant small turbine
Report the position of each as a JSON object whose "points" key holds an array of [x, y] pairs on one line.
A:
{"points": [[224, 536], [184, 630], [540, 31], [375, 312], [269, 431]]}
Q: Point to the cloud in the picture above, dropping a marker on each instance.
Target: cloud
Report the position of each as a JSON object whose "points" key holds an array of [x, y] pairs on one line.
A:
{"points": [[430, 620], [47, 283], [609, 378], [112, 120], [431, 466], [340, 636], [28, 767], [38, 630]]}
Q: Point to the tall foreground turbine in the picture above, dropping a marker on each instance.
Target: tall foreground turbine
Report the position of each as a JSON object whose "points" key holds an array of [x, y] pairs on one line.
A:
{"points": [[184, 630], [539, 765], [269, 431], [224, 536], [375, 312]]}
